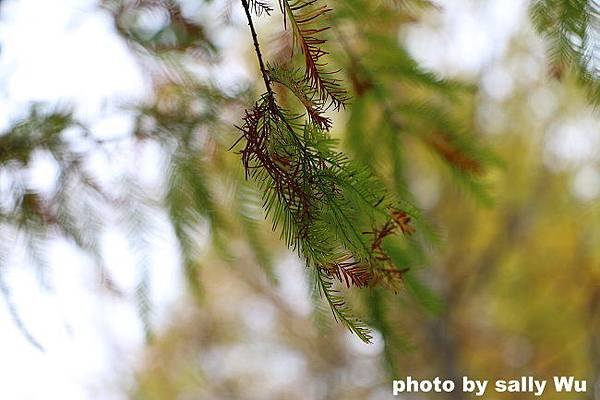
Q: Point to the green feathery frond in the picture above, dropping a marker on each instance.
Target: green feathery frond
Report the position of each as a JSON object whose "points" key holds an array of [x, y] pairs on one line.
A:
{"points": [[294, 81], [572, 28], [326, 208], [333, 213], [339, 308], [190, 206], [304, 17]]}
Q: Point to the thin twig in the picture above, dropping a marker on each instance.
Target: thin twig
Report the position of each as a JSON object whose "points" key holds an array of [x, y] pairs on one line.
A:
{"points": [[261, 63], [263, 70]]}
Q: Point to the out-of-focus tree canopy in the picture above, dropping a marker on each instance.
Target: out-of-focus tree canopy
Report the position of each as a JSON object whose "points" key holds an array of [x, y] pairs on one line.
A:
{"points": [[491, 266]]}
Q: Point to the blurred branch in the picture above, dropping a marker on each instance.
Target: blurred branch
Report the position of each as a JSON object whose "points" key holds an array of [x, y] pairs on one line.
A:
{"points": [[14, 314]]}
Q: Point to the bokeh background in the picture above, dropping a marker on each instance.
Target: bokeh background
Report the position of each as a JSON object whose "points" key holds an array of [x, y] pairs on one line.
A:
{"points": [[135, 261]]}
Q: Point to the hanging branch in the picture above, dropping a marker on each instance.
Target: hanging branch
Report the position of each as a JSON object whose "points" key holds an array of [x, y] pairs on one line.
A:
{"points": [[316, 196]]}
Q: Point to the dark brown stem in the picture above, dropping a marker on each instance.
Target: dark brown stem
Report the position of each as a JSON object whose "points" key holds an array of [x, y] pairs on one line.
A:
{"points": [[261, 63], [263, 69], [265, 75]]}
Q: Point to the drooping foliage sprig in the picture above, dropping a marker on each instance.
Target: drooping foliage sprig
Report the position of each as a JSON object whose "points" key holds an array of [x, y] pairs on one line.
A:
{"points": [[571, 28], [335, 214], [332, 212], [304, 17]]}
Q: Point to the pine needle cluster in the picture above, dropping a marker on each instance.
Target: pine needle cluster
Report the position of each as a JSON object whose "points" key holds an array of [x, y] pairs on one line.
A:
{"points": [[329, 210]]}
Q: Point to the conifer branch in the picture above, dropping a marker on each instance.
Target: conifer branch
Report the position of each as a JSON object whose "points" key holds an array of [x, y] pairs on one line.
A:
{"points": [[340, 309], [318, 199], [303, 92], [303, 16], [260, 7], [14, 314]]}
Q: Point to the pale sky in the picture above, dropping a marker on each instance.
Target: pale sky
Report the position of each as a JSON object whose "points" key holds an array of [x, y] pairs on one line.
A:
{"points": [[91, 339]]}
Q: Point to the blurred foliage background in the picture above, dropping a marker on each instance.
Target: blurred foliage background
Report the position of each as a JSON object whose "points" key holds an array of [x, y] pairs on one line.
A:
{"points": [[499, 154]]}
